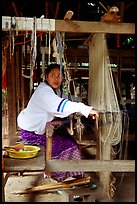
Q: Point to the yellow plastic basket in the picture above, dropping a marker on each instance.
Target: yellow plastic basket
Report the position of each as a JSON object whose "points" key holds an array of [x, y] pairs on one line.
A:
{"points": [[26, 153]]}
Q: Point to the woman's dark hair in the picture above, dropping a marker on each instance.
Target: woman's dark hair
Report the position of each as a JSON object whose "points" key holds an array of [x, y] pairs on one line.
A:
{"points": [[52, 66]]}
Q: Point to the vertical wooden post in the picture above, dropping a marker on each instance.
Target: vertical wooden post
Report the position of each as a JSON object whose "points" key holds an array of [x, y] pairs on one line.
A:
{"points": [[25, 82], [49, 132], [3, 190], [17, 78], [10, 71], [96, 74]]}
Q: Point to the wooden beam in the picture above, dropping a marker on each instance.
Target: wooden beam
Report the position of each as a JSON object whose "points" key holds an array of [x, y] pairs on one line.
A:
{"points": [[94, 27], [24, 23], [39, 164], [78, 11], [52, 9], [46, 9], [15, 9], [57, 9], [122, 9], [129, 5], [36, 164], [90, 165], [122, 52], [112, 52]]}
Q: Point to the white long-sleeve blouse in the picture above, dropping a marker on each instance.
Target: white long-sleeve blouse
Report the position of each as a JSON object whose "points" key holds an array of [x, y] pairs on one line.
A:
{"points": [[44, 105]]}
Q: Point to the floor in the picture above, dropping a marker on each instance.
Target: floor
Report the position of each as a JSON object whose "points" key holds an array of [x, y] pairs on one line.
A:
{"points": [[125, 190]]}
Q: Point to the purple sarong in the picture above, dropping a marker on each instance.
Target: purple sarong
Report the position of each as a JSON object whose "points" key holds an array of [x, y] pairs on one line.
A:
{"points": [[64, 147]]}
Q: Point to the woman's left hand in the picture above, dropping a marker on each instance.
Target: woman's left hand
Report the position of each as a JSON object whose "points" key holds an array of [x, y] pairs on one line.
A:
{"points": [[94, 114]]}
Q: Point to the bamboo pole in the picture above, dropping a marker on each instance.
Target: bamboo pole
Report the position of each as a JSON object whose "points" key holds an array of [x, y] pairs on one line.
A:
{"points": [[55, 186]]}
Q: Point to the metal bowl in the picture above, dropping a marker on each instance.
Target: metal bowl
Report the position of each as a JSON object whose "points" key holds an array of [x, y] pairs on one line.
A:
{"points": [[27, 152]]}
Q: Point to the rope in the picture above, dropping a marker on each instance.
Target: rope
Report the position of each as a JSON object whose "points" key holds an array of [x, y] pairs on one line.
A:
{"points": [[5, 125], [34, 54], [59, 48]]}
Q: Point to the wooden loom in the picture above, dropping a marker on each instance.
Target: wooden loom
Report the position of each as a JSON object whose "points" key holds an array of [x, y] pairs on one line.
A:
{"points": [[102, 96], [75, 26]]}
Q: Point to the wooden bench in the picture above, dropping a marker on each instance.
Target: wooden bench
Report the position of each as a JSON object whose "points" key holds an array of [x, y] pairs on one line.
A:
{"points": [[36, 164], [12, 165]]}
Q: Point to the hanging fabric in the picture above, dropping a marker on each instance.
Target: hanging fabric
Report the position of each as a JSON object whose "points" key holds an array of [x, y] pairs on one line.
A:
{"points": [[49, 48]]}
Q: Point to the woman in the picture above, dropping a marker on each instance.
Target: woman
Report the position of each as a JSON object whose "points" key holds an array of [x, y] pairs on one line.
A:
{"points": [[44, 106]]}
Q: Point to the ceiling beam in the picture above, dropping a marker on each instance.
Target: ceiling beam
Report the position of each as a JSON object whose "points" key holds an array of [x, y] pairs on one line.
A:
{"points": [[15, 9], [23, 23], [112, 52], [122, 8], [129, 5], [57, 9]]}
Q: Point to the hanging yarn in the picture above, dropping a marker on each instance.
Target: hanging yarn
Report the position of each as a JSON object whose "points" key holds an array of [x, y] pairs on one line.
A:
{"points": [[34, 53], [59, 48], [102, 94], [4, 90], [4, 62], [58, 52]]}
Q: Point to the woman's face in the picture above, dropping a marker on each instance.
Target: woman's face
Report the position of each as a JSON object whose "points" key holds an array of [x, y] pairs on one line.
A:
{"points": [[54, 78]]}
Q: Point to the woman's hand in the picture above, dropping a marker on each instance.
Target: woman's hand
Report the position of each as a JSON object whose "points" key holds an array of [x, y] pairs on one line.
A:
{"points": [[94, 114]]}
